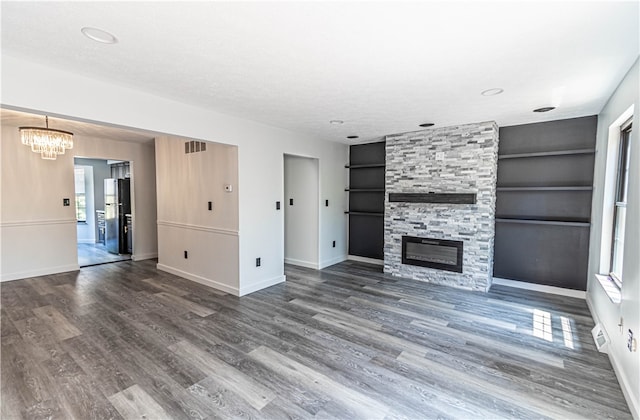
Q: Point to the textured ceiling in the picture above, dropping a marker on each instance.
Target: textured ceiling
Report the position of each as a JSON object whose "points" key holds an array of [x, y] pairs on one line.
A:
{"points": [[382, 67], [21, 119]]}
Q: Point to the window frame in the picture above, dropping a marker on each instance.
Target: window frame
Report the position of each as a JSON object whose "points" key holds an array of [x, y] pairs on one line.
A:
{"points": [[620, 197], [83, 194]]}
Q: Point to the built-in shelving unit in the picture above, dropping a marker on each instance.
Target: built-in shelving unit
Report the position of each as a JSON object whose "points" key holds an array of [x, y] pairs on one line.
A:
{"points": [[543, 206], [366, 199]]}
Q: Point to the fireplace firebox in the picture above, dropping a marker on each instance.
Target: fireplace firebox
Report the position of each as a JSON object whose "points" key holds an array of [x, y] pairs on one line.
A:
{"points": [[441, 254]]}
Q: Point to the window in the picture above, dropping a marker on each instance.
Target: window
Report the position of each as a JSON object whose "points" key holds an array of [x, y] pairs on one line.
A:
{"points": [[620, 204], [81, 198]]}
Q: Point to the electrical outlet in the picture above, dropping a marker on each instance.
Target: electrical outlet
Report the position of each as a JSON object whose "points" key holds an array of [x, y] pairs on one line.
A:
{"points": [[186, 255], [334, 244], [439, 155], [66, 202], [228, 188], [258, 262]]}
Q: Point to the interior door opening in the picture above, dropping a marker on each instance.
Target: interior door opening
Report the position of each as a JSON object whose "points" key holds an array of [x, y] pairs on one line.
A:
{"points": [[103, 209], [301, 211]]}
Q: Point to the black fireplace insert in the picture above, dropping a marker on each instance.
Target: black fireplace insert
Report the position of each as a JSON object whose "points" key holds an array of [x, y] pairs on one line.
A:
{"points": [[441, 254]]}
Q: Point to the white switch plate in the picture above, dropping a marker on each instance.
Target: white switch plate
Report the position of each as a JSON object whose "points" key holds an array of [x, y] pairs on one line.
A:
{"points": [[439, 155], [228, 188]]}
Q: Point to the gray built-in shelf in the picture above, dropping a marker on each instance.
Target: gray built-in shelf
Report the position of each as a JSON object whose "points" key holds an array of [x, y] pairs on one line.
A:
{"points": [[546, 154], [371, 165], [364, 213], [565, 188], [543, 222], [366, 199], [543, 206]]}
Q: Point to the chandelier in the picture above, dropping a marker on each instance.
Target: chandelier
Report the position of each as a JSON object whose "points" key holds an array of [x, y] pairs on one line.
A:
{"points": [[48, 142]]}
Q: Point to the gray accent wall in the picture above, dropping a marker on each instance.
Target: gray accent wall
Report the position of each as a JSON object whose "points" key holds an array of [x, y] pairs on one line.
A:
{"points": [[543, 214], [457, 159]]}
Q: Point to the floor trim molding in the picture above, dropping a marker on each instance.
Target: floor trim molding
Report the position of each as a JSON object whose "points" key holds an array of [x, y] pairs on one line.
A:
{"points": [[365, 260], [199, 279], [147, 256], [301, 263], [262, 285], [634, 405], [39, 272], [540, 288], [329, 263]]}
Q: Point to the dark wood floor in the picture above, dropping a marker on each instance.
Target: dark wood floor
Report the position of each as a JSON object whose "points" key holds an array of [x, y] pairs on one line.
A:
{"points": [[124, 340]]}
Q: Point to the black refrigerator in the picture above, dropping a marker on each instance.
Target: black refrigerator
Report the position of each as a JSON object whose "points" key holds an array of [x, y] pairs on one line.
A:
{"points": [[117, 204]]}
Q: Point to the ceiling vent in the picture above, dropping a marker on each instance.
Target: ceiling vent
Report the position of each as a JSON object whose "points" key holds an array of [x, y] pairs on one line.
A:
{"points": [[195, 146]]}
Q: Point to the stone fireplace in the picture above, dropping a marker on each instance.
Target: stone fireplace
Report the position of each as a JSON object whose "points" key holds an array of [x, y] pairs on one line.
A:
{"points": [[441, 189]]}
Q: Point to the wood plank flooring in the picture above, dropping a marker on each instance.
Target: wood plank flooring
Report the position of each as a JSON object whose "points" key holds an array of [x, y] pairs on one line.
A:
{"points": [[94, 254], [125, 341]]}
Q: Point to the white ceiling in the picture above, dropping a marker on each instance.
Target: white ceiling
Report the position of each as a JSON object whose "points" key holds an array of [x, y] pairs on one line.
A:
{"points": [[382, 67], [14, 118]]}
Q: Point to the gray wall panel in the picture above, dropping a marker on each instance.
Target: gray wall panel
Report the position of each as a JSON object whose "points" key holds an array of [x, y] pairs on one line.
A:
{"points": [[539, 200], [575, 133]]}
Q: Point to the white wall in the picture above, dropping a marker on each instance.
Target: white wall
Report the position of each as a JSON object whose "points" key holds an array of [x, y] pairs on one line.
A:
{"points": [[626, 364], [301, 218], [185, 185], [31, 86], [38, 233], [86, 232]]}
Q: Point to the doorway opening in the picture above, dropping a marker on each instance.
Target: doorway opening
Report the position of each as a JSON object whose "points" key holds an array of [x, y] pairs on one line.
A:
{"points": [[301, 211], [103, 211]]}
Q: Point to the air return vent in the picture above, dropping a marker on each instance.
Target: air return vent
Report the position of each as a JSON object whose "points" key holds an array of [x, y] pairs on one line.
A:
{"points": [[195, 146]]}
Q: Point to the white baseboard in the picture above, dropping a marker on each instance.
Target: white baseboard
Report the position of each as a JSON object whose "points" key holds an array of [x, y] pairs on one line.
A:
{"points": [[627, 391], [262, 285], [540, 288], [199, 279], [301, 263], [147, 256], [87, 241], [40, 272], [332, 261], [365, 259]]}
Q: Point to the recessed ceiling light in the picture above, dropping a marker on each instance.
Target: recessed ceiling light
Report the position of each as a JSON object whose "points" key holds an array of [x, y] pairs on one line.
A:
{"points": [[427, 125], [99, 35], [545, 109], [336, 122], [492, 92], [352, 137]]}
